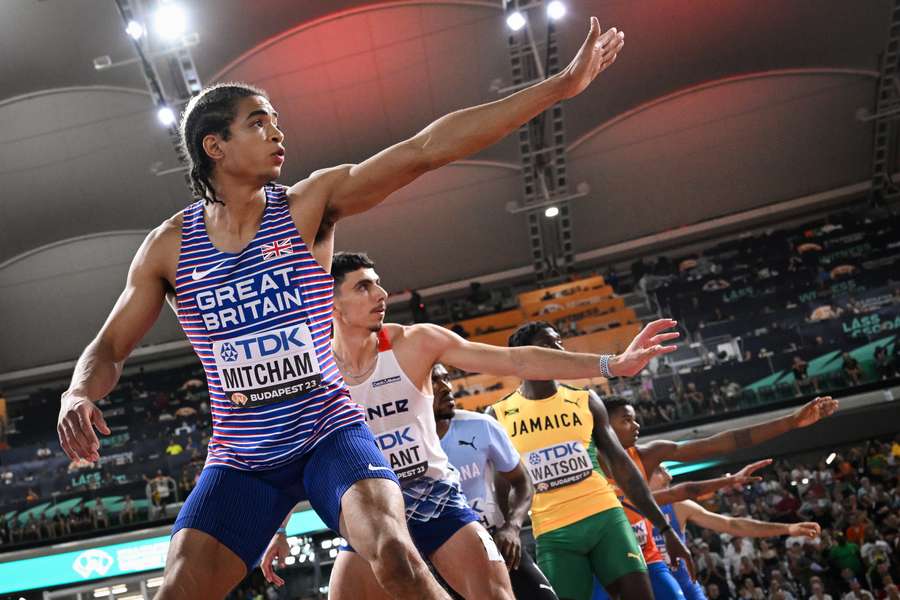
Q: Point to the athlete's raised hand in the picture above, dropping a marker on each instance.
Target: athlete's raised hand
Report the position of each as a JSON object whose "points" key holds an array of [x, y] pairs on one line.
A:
{"points": [[78, 417], [645, 346], [598, 52], [277, 550], [812, 411], [805, 529], [745, 475]]}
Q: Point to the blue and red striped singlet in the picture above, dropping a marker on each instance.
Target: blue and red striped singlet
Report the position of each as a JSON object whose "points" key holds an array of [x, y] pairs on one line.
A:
{"points": [[260, 321]]}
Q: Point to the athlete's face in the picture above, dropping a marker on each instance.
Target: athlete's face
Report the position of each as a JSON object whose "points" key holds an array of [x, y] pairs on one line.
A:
{"points": [[547, 338], [625, 425], [660, 479], [254, 150], [361, 301], [444, 406]]}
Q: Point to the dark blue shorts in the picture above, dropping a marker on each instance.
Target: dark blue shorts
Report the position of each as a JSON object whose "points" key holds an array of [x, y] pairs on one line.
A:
{"points": [[242, 509], [430, 535]]}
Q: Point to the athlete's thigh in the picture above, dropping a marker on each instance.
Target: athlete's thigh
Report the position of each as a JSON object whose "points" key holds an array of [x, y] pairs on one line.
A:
{"points": [[352, 579], [346, 471], [470, 562], [664, 584], [529, 582], [198, 566], [567, 568], [616, 558], [371, 511]]}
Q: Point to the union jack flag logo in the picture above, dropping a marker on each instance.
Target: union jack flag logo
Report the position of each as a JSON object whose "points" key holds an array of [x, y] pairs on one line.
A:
{"points": [[277, 249]]}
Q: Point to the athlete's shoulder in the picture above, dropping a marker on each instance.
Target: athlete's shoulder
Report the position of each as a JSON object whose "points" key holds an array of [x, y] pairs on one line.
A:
{"points": [[164, 241], [470, 416]]}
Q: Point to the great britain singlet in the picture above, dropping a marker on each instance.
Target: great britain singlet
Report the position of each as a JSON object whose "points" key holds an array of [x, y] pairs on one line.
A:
{"points": [[553, 435], [260, 322], [401, 418]]}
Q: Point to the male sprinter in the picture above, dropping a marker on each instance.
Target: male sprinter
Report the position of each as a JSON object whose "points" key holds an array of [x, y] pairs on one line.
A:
{"points": [[679, 513], [483, 453], [388, 369], [579, 524], [246, 270], [649, 456]]}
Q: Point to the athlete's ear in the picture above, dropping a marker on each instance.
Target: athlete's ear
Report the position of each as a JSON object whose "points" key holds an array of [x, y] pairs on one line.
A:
{"points": [[212, 145]]}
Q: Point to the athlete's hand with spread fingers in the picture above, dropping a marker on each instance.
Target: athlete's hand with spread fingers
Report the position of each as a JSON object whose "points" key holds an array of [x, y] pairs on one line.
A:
{"points": [[646, 345], [598, 52], [745, 475], [814, 410], [277, 550], [806, 529], [679, 552], [510, 546], [78, 416]]}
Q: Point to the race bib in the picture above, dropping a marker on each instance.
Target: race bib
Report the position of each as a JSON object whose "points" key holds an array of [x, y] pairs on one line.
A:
{"points": [[559, 465], [402, 448], [260, 368], [640, 532]]}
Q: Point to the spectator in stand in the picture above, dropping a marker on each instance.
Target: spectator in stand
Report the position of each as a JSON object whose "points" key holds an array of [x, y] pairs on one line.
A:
{"points": [[818, 592], [43, 451], [126, 514], [695, 398], [174, 448], [852, 372], [31, 496], [883, 367], [802, 380], [857, 592], [99, 515], [845, 555], [825, 312]]}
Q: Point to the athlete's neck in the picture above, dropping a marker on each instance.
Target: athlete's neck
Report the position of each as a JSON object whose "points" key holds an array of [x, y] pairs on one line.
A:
{"points": [[355, 348], [442, 426], [538, 390], [242, 204]]}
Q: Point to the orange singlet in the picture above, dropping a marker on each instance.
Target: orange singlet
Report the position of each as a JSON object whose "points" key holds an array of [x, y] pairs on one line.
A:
{"points": [[643, 529]]}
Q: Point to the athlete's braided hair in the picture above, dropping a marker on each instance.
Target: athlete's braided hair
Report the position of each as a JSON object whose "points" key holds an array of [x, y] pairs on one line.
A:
{"points": [[210, 111], [524, 335]]}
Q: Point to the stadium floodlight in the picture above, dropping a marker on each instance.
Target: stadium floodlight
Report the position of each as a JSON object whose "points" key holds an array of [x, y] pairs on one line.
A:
{"points": [[170, 20], [165, 115], [551, 212], [556, 10], [135, 30], [515, 21]]}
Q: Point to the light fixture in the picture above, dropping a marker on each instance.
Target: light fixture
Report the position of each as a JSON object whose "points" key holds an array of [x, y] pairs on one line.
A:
{"points": [[135, 30], [515, 21], [165, 115], [551, 212], [170, 20], [830, 458], [289, 560], [556, 10]]}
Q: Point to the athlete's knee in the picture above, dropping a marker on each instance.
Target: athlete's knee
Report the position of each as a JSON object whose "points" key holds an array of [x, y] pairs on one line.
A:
{"points": [[394, 557]]}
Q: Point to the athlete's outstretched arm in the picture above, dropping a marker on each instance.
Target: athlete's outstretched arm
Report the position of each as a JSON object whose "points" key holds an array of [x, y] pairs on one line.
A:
{"points": [[733, 439], [100, 365], [532, 362], [632, 483], [459, 134], [688, 510], [691, 490]]}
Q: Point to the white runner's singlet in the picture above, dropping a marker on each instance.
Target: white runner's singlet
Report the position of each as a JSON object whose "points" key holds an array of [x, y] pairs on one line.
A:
{"points": [[401, 418]]}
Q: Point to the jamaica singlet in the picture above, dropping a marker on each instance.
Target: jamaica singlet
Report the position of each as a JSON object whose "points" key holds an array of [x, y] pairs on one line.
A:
{"points": [[553, 435], [260, 321]]}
